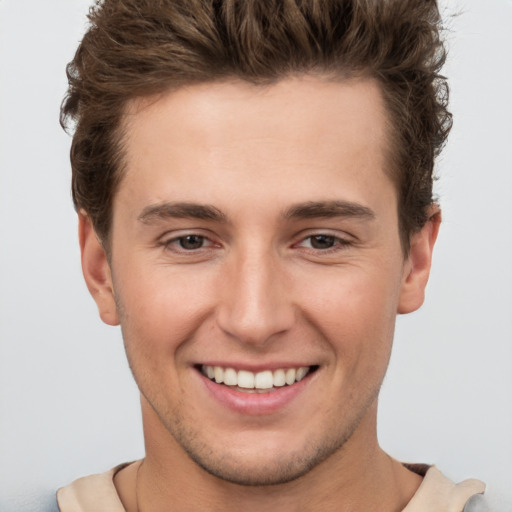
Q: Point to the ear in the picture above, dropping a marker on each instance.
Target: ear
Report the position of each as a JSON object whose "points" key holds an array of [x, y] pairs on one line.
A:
{"points": [[417, 264], [96, 270]]}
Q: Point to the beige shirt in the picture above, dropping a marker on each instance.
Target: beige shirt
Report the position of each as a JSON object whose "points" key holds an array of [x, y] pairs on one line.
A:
{"points": [[97, 493]]}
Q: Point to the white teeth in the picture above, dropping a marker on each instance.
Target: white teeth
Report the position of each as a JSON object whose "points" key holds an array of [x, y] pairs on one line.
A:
{"points": [[261, 380], [264, 380], [218, 374], [279, 378], [245, 379], [290, 376], [301, 373], [230, 377]]}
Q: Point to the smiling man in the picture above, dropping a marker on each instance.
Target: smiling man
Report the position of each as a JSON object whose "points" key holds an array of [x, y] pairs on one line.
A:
{"points": [[254, 188]]}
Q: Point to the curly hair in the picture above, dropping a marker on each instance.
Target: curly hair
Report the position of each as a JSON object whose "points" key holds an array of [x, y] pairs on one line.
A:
{"points": [[138, 48]]}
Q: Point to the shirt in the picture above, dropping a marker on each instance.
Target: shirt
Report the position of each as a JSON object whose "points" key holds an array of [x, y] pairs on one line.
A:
{"points": [[97, 493]]}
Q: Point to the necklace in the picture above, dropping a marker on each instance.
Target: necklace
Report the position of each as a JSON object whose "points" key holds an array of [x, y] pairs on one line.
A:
{"points": [[137, 479]]}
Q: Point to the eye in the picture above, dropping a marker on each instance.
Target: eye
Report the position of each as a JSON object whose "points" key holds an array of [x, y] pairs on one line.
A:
{"points": [[322, 241], [190, 242]]}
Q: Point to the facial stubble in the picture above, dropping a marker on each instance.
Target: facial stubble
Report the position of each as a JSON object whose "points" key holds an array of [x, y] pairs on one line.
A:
{"points": [[227, 466], [278, 469]]}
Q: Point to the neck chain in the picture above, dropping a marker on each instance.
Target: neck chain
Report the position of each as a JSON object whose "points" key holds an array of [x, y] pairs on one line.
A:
{"points": [[137, 479]]}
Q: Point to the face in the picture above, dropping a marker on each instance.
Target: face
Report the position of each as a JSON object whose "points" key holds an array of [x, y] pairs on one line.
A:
{"points": [[256, 270]]}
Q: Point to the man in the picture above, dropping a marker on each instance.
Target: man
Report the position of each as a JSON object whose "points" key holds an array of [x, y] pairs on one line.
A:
{"points": [[254, 187]]}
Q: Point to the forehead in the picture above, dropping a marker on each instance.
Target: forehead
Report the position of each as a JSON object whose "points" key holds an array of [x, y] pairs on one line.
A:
{"points": [[235, 135], [203, 108]]}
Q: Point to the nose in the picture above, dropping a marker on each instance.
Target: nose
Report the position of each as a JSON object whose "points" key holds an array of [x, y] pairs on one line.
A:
{"points": [[255, 306]]}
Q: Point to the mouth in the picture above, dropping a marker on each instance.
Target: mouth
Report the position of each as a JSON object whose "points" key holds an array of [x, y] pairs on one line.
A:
{"points": [[265, 381]]}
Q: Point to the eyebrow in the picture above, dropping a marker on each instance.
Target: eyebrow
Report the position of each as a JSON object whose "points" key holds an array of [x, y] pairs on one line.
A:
{"points": [[168, 210], [308, 210], [317, 209]]}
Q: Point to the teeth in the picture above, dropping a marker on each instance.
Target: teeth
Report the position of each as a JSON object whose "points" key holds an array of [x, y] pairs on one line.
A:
{"points": [[249, 380], [290, 376], [301, 373], [279, 378], [264, 380], [245, 379], [230, 377], [218, 374]]}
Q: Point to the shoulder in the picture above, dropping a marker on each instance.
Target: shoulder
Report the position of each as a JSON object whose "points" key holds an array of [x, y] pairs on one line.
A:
{"points": [[93, 493], [439, 493]]}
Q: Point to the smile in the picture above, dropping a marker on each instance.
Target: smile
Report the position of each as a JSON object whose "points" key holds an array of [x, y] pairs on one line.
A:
{"points": [[261, 382]]}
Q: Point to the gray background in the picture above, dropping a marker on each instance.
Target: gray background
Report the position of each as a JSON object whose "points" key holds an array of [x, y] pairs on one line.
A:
{"points": [[68, 406]]}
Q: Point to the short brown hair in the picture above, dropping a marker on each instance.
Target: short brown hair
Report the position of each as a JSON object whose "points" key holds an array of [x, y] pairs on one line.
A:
{"points": [[137, 48]]}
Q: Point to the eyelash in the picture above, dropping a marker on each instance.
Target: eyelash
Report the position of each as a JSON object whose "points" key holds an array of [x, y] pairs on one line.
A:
{"points": [[178, 247], [338, 244]]}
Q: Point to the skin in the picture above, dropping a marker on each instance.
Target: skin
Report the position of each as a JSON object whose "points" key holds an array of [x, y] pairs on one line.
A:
{"points": [[260, 291]]}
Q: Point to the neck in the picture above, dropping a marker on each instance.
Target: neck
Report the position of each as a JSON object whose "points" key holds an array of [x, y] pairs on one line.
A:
{"points": [[359, 476]]}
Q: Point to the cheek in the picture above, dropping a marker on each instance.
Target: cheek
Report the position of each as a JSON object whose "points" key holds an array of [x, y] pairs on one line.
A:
{"points": [[161, 309], [355, 309]]}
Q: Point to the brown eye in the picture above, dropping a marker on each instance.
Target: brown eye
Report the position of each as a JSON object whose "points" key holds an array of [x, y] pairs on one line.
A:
{"points": [[191, 242], [322, 241]]}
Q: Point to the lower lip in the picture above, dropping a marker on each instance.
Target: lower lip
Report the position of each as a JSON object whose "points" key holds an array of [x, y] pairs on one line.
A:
{"points": [[256, 404]]}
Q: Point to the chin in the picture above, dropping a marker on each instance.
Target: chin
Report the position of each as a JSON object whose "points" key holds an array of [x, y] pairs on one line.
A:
{"points": [[264, 463], [259, 472]]}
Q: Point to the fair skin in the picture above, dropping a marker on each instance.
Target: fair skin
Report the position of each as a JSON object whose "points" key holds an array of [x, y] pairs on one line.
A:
{"points": [[255, 229]]}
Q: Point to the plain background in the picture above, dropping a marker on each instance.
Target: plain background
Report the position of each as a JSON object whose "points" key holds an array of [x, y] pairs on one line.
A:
{"points": [[68, 406]]}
